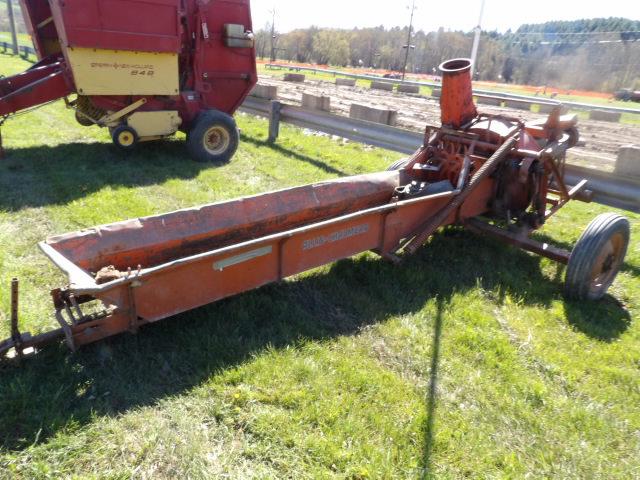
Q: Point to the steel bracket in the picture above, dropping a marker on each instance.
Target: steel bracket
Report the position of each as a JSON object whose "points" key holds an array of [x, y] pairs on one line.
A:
{"points": [[112, 119]]}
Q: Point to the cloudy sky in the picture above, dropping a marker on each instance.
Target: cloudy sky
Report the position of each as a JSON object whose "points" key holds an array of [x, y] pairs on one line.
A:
{"points": [[453, 14]]}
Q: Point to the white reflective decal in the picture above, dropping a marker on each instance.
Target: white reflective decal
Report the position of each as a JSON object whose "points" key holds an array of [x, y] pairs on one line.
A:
{"points": [[244, 257]]}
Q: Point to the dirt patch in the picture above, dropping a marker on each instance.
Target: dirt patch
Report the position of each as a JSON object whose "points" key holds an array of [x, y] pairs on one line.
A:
{"points": [[108, 274], [598, 149]]}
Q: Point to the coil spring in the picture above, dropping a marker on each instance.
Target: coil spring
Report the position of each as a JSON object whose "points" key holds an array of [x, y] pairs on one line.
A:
{"points": [[86, 107]]}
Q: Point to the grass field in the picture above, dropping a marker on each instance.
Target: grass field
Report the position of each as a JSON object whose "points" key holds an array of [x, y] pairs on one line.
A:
{"points": [[464, 362], [23, 38]]}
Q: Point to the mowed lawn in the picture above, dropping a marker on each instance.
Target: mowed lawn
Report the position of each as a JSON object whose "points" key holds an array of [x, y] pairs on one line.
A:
{"points": [[463, 362]]}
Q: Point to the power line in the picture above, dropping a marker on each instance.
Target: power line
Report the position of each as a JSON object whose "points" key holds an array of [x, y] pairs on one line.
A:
{"points": [[578, 33], [408, 46], [597, 42]]}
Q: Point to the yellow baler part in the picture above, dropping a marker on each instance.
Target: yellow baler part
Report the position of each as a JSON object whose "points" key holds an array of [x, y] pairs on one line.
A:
{"points": [[113, 119], [154, 124], [118, 72]]}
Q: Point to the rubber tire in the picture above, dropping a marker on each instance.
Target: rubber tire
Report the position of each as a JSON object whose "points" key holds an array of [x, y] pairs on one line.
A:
{"points": [[124, 128], [585, 254], [398, 165], [84, 121], [574, 136], [203, 123]]}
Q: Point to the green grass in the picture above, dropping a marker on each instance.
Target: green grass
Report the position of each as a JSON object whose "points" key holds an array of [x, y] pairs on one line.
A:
{"points": [[23, 38], [464, 362], [316, 76]]}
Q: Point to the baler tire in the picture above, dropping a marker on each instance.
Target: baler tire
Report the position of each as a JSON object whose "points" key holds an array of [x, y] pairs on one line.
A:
{"points": [[124, 137], [84, 121], [214, 138], [597, 257], [574, 137]]}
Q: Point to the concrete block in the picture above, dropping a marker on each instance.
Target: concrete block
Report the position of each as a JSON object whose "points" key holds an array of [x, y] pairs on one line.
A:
{"points": [[495, 102], [628, 163], [362, 112], [346, 82], [294, 77], [408, 88], [436, 93], [518, 105], [604, 116], [387, 87], [545, 108], [316, 102], [269, 92]]}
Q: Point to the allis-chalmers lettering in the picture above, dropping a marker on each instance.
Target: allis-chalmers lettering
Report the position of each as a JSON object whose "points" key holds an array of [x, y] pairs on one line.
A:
{"points": [[335, 237]]}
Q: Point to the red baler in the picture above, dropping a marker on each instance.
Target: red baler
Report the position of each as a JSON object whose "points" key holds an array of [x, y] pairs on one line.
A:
{"points": [[142, 68]]}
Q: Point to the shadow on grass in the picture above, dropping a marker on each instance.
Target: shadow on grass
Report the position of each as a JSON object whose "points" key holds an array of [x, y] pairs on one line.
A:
{"points": [[604, 320], [290, 153], [57, 391], [632, 269], [432, 392], [41, 176]]}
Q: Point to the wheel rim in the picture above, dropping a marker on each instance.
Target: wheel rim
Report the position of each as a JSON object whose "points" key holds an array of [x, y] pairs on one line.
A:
{"points": [[607, 264], [216, 140], [126, 139]]}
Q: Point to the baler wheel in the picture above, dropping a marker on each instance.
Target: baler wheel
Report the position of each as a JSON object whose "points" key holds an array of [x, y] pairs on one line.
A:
{"points": [[574, 136], [83, 120], [597, 257], [124, 137], [214, 138]]}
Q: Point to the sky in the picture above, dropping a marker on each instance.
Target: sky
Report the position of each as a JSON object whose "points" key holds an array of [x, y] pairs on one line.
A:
{"points": [[451, 14]]}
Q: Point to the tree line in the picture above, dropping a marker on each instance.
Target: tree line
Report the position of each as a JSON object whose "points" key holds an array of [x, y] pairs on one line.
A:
{"points": [[596, 54], [600, 54], [17, 14]]}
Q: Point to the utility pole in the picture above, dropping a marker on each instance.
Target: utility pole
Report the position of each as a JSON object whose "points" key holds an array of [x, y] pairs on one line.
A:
{"points": [[408, 46], [273, 35], [12, 25], [476, 41]]}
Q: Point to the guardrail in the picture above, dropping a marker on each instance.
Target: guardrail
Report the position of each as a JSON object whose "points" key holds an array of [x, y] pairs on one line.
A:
{"points": [[24, 50], [608, 188], [478, 92]]}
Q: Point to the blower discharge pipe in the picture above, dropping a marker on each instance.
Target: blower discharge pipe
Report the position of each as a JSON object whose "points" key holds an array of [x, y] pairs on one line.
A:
{"points": [[458, 110], [456, 100]]}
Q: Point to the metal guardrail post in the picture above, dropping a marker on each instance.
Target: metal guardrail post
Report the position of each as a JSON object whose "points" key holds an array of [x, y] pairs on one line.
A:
{"points": [[12, 26], [23, 50], [15, 328], [275, 109]]}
